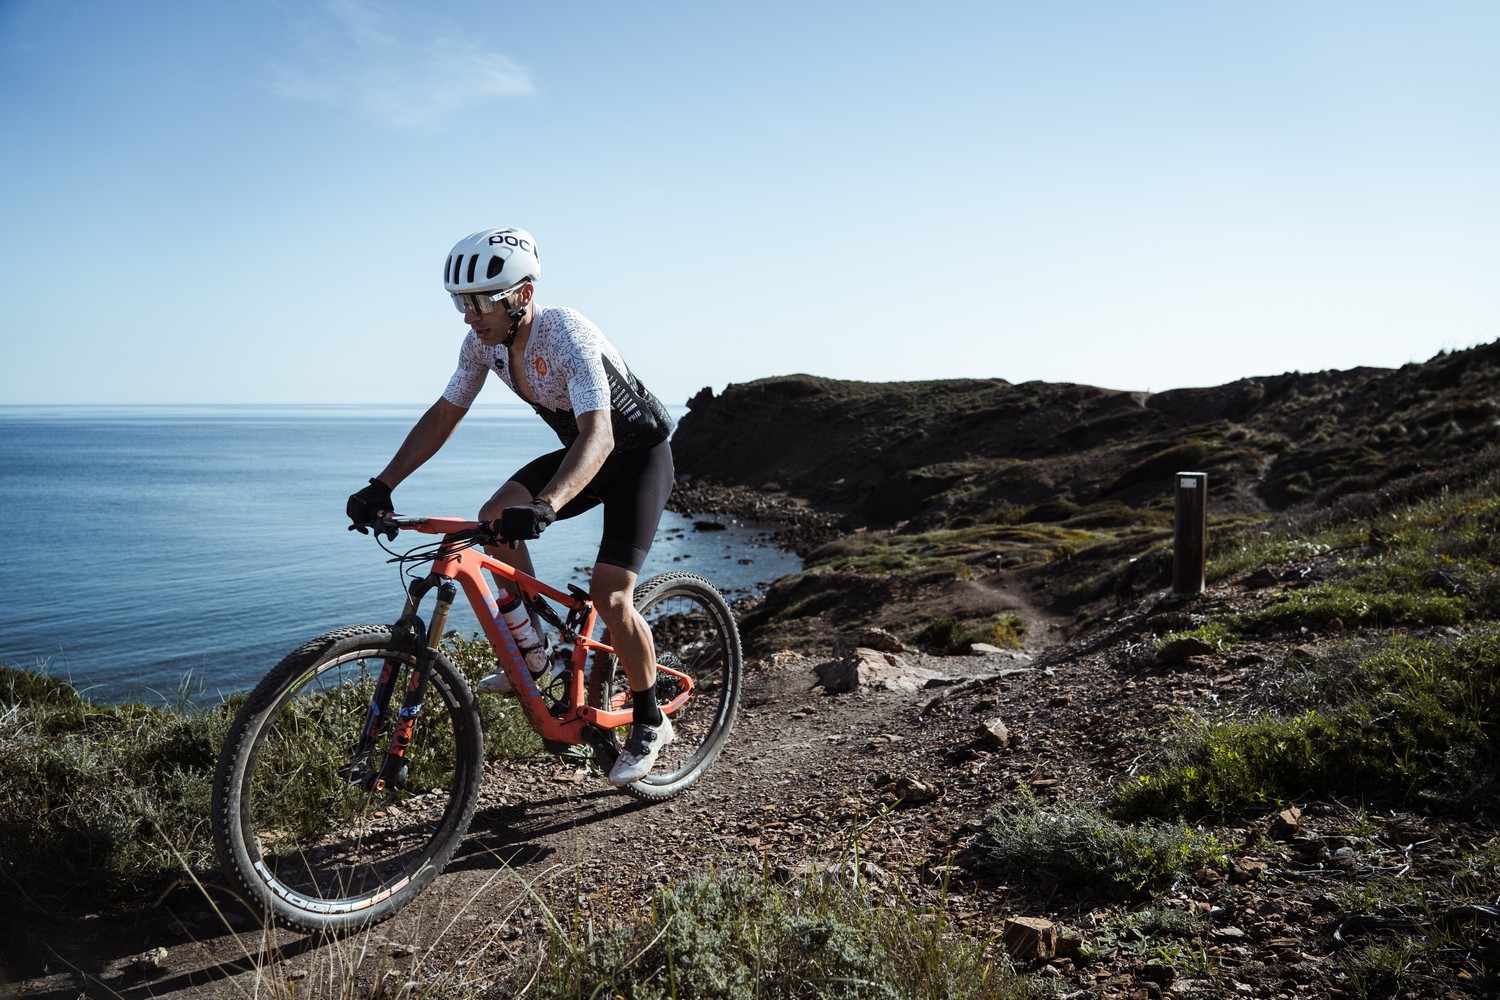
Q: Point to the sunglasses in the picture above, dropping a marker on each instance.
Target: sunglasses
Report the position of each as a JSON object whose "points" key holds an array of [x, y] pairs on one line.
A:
{"points": [[482, 303]]}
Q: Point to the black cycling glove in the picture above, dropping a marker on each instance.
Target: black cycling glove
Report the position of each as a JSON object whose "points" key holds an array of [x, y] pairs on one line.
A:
{"points": [[527, 521], [364, 505]]}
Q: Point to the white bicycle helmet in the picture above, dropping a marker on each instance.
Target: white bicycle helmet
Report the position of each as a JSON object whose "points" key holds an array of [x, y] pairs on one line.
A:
{"points": [[492, 260]]}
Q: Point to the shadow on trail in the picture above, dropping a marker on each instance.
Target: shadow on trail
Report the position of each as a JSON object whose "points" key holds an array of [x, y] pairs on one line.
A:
{"points": [[508, 835], [195, 981]]}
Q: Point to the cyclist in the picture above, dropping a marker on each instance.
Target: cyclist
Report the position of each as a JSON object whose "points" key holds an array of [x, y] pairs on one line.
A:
{"points": [[615, 452]]}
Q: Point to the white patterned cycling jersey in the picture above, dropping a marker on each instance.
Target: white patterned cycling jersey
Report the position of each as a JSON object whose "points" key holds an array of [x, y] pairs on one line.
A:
{"points": [[570, 370]]}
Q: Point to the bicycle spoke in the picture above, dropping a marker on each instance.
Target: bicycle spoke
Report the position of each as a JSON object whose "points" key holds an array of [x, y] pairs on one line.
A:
{"points": [[695, 635], [306, 830]]}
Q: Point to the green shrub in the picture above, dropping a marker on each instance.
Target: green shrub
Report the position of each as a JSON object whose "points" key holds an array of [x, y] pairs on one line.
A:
{"points": [[1412, 720], [1080, 850], [110, 801], [101, 800], [1356, 606], [738, 936], [1148, 936], [1217, 633], [953, 637]]}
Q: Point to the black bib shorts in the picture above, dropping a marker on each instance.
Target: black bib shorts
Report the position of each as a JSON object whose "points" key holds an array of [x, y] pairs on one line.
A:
{"points": [[632, 485]]}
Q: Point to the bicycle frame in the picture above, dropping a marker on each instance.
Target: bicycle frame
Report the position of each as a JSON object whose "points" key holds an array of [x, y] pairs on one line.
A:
{"points": [[457, 564]]}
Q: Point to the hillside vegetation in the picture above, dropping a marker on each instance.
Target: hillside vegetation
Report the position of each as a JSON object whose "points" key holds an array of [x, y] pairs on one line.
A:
{"points": [[1366, 501], [1346, 657], [968, 451], [1069, 486]]}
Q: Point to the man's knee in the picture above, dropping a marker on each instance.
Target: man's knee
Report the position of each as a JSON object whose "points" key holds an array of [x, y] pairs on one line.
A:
{"points": [[610, 601], [512, 494], [612, 590]]}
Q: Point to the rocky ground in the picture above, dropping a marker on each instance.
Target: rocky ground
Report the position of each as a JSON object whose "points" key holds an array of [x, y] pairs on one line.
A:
{"points": [[904, 768]]}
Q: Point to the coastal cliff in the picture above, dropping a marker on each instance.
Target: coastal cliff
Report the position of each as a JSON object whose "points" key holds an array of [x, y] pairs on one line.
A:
{"points": [[947, 453], [916, 501]]}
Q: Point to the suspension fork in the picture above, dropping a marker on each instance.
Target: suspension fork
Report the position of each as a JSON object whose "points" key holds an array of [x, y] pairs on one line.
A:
{"points": [[427, 636]]}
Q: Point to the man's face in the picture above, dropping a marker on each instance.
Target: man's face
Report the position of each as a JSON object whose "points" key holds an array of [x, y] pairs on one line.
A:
{"points": [[491, 328], [494, 326]]}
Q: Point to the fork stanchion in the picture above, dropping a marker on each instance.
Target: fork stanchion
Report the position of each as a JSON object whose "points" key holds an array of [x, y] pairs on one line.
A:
{"points": [[1190, 533]]}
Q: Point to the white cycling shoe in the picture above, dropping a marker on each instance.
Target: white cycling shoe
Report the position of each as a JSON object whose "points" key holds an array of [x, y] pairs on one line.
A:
{"points": [[641, 749]]}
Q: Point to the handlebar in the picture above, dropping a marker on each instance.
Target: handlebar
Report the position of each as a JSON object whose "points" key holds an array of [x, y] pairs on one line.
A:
{"points": [[455, 528]]}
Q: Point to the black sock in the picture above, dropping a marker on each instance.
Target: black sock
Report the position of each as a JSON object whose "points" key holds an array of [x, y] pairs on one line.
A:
{"points": [[646, 708]]}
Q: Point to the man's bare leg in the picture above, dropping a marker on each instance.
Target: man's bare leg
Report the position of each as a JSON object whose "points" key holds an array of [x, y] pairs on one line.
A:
{"points": [[613, 593]]}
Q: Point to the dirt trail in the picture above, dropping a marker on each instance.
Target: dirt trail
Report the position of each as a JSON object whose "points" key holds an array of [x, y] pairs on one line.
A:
{"points": [[799, 773], [914, 773]]}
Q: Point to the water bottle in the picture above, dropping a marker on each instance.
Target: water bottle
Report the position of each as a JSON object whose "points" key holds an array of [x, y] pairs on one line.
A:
{"points": [[527, 641]]}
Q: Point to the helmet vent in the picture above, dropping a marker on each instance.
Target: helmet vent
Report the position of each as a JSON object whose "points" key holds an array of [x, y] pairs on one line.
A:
{"points": [[454, 263], [496, 264], [474, 260]]}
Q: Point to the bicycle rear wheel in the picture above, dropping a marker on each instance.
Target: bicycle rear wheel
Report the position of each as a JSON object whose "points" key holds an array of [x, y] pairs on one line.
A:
{"points": [[695, 634], [295, 826]]}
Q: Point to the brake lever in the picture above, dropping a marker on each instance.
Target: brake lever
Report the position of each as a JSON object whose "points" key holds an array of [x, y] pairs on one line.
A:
{"points": [[380, 525], [486, 534]]}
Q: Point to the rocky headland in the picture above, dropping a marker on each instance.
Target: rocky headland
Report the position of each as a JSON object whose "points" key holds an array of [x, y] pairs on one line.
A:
{"points": [[1016, 475]]}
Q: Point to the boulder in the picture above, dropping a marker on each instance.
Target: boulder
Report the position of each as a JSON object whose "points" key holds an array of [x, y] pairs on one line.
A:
{"points": [[873, 668], [1179, 650], [912, 790], [1029, 939], [1286, 824], [993, 732]]}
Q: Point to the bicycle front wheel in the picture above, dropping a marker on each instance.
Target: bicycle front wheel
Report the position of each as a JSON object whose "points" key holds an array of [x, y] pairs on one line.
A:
{"points": [[297, 825], [695, 634]]}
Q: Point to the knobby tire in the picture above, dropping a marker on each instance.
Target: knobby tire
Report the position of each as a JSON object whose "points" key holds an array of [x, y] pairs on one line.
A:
{"points": [[319, 852], [695, 632], [301, 841]]}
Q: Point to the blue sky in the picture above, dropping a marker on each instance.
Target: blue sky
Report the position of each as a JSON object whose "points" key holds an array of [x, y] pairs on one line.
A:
{"points": [[251, 201]]}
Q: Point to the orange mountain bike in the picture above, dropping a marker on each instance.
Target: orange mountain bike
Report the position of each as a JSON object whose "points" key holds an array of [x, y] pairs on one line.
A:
{"points": [[351, 772]]}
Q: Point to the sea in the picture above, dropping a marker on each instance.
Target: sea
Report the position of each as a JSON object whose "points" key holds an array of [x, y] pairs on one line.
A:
{"points": [[173, 554]]}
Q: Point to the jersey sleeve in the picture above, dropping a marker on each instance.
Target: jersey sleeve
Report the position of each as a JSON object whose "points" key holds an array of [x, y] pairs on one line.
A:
{"points": [[468, 377]]}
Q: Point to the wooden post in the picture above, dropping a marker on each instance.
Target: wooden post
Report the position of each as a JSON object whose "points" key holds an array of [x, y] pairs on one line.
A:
{"points": [[1190, 533]]}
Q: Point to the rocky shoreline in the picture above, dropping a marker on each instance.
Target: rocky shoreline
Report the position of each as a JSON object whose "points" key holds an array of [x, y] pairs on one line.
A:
{"points": [[804, 528]]}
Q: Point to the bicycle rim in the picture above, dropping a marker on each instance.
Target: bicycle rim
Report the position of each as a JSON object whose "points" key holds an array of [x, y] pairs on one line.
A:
{"points": [[314, 841], [695, 634]]}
